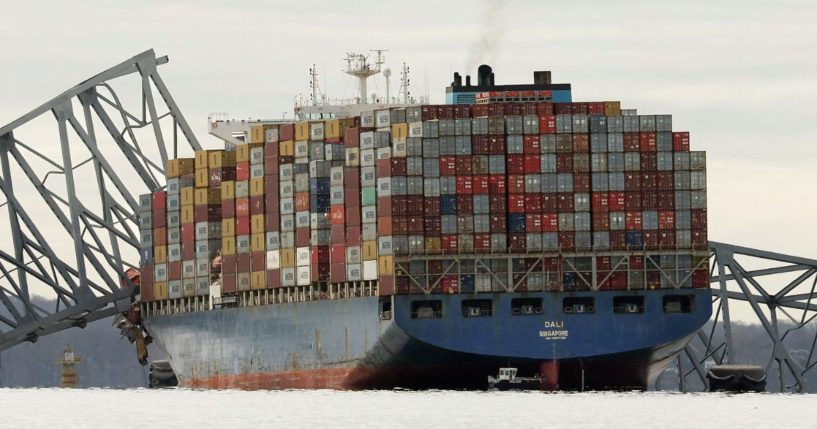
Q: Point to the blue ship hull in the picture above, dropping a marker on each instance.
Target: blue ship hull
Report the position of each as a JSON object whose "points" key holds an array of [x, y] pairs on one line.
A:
{"points": [[355, 344]]}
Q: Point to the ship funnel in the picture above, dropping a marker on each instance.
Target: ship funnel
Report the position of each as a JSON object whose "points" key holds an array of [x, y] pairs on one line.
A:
{"points": [[541, 77], [468, 80], [457, 80], [484, 75]]}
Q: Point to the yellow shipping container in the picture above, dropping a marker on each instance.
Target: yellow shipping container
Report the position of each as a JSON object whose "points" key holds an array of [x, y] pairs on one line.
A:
{"points": [[286, 148], [370, 250], [433, 245], [302, 130], [201, 159], [288, 258], [187, 196], [258, 242], [385, 265], [256, 134], [242, 153], [227, 190], [612, 108], [332, 129], [215, 159], [399, 131], [160, 254], [160, 291], [188, 214], [227, 227], [259, 280], [205, 196], [257, 225], [256, 186], [202, 178], [228, 245]]}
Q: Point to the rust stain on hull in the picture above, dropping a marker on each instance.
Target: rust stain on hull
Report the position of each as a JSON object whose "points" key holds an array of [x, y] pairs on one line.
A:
{"points": [[324, 378]]}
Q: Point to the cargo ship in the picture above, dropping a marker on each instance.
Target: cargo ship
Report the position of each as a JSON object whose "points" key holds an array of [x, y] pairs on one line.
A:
{"points": [[397, 244]]}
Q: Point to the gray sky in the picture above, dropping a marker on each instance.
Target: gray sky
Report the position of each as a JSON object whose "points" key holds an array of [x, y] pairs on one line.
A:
{"points": [[741, 76]]}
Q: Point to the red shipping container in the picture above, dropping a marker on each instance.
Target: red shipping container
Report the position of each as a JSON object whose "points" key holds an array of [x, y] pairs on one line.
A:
{"points": [[680, 141], [271, 166], [496, 144], [516, 203], [465, 204], [533, 222], [188, 250], [320, 255], [562, 108], [242, 207], [550, 203], [595, 108], [337, 273], [228, 208], [498, 184], [257, 205], [516, 184], [450, 284], [464, 185], [547, 124], [699, 240], [353, 216], [649, 181], [578, 108], [618, 240], [158, 200], [533, 203], [351, 177], [258, 261], [581, 182], [302, 201], [188, 232], [228, 283], [632, 181], [351, 137], [616, 201], [648, 142], [302, 237], [533, 164], [665, 181], [146, 283], [337, 234], [385, 225], [482, 243], [481, 184], [462, 111], [271, 184], [637, 263], [700, 278], [531, 144], [465, 164], [498, 223], [432, 206], [353, 236], [698, 219], [632, 221], [174, 270], [337, 253], [337, 214], [497, 203], [242, 171], [159, 219], [564, 162], [272, 221], [666, 238], [320, 272], [543, 109], [601, 221], [273, 278], [651, 240], [286, 132], [448, 165], [581, 143], [666, 200], [632, 142], [385, 206], [448, 243], [565, 202], [386, 286], [242, 225], [432, 226], [479, 145], [600, 202], [415, 225], [567, 240], [649, 200], [649, 161], [515, 164], [550, 223], [243, 262], [517, 242], [271, 150], [414, 205]]}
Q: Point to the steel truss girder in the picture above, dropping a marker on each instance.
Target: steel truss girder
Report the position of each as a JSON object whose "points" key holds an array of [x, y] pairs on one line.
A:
{"points": [[770, 299], [99, 220]]}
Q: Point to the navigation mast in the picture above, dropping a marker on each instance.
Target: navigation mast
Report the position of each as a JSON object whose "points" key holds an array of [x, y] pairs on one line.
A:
{"points": [[357, 65]]}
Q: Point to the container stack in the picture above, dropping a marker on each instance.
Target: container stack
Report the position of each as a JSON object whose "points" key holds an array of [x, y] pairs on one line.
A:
{"points": [[340, 201]]}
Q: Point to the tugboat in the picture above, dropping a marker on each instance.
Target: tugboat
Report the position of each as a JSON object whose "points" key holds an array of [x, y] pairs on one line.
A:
{"points": [[507, 380]]}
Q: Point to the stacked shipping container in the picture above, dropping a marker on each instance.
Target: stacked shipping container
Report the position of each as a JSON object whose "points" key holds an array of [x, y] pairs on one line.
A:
{"points": [[340, 201]]}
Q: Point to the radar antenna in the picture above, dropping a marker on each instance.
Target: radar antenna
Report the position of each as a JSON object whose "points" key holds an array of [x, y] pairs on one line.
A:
{"points": [[358, 65]]}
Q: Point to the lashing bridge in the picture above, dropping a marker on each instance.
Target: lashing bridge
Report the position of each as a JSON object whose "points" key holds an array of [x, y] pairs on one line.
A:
{"points": [[71, 170]]}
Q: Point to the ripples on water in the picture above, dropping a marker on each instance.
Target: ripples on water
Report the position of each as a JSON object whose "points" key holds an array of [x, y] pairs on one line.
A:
{"points": [[181, 408]]}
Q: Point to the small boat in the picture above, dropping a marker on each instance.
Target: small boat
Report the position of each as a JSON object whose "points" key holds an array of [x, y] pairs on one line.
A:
{"points": [[507, 380]]}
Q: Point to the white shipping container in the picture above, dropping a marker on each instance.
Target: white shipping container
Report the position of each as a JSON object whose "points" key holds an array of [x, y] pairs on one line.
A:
{"points": [[174, 252], [287, 276], [369, 214], [174, 289], [188, 287], [257, 155], [188, 269], [316, 131], [369, 270], [415, 129], [367, 158], [353, 255], [304, 276], [353, 272], [482, 282], [202, 286], [202, 267], [273, 259], [271, 135], [399, 148], [367, 119], [352, 157], [242, 189], [302, 256], [160, 272]]}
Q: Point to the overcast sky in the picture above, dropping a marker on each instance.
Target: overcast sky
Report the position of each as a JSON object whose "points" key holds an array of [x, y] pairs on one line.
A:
{"points": [[740, 75]]}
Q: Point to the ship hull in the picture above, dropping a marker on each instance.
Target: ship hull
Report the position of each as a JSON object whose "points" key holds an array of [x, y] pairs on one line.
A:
{"points": [[349, 344]]}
